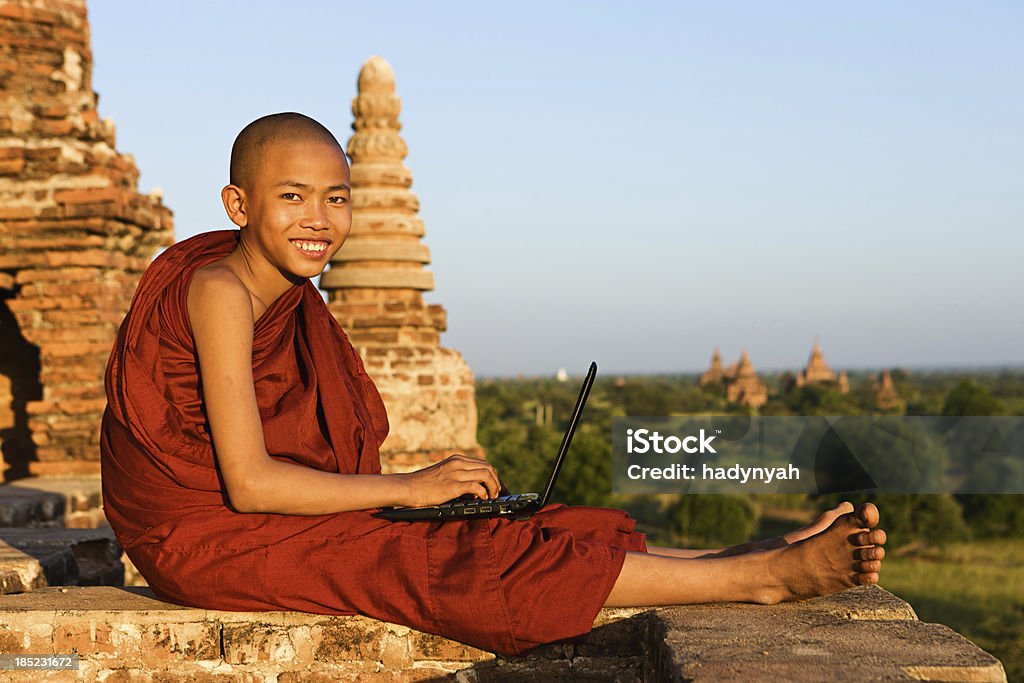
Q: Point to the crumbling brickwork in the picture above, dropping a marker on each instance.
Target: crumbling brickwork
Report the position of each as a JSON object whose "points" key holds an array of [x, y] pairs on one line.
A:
{"points": [[376, 284], [75, 236]]}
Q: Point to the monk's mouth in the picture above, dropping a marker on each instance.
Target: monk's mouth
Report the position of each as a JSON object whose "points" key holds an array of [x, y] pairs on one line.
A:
{"points": [[311, 248]]}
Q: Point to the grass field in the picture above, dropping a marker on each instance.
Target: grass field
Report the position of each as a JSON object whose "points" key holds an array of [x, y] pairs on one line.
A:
{"points": [[975, 588]]}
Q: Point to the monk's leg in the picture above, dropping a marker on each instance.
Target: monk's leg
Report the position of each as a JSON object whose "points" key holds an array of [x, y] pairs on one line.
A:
{"points": [[847, 553], [823, 521]]}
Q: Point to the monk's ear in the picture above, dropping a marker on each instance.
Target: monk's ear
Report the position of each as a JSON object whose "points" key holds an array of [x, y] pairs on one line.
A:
{"points": [[235, 204]]}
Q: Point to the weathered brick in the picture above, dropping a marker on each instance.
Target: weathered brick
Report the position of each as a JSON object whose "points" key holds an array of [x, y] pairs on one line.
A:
{"points": [[56, 128], [17, 212], [71, 349], [86, 637], [70, 274], [191, 640], [31, 14], [91, 195], [12, 166], [255, 642], [68, 374], [55, 111], [426, 646], [65, 467], [84, 257], [22, 260], [335, 642], [62, 242], [84, 333]]}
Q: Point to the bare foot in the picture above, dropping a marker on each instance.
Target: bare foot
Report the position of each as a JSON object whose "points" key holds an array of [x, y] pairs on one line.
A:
{"points": [[823, 522], [847, 553]]}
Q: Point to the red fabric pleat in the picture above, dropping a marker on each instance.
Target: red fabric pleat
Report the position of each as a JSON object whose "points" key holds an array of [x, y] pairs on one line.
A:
{"points": [[496, 584]]}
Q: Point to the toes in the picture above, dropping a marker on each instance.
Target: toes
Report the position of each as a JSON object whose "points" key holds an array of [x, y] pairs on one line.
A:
{"points": [[867, 515], [843, 508], [868, 578], [869, 566], [876, 552], [873, 537]]}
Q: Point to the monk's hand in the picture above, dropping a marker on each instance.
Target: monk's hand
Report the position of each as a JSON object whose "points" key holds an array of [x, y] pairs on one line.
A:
{"points": [[454, 476]]}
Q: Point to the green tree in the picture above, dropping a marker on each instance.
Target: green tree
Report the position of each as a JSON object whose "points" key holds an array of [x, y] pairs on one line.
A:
{"points": [[970, 398]]}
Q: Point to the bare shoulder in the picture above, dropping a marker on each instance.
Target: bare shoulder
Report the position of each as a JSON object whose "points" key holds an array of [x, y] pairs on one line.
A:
{"points": [[218, 302]]}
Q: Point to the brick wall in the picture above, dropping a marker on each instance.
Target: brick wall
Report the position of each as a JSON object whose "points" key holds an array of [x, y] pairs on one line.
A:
{"points": [[75, 236]]}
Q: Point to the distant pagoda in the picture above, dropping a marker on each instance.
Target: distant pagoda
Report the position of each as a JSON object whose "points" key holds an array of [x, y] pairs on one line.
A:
{"points": [[714, 375], [818, 372], [375, 290], [744, 387], [886, 396]]}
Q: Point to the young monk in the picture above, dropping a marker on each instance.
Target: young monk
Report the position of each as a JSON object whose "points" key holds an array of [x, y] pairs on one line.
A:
{"points": [[240, 454]]}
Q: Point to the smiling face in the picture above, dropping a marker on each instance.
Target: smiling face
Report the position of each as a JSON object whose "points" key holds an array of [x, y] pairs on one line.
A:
{"points": [[295, 209]]}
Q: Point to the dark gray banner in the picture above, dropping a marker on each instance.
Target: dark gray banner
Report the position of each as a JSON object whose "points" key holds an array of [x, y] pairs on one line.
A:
{"points": [[817, 454]]}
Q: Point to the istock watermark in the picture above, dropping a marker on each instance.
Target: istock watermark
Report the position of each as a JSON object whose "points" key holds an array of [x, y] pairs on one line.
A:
{"points": [[741, 454]]}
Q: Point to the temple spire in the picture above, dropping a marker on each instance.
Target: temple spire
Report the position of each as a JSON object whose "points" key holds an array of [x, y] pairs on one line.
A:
{"points": [[383, 252], [715, 374], [375, 290], [819, 372]]}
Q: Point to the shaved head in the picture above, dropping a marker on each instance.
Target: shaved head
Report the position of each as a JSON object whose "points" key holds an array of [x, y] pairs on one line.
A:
{"points": [[251, 144]]}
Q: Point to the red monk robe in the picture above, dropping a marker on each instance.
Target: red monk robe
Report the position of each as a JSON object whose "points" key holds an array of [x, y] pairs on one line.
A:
{"points": [[497, 584]]}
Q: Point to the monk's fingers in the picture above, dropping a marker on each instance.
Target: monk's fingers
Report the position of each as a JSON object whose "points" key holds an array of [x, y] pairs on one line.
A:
{"points": [[875, 552], [873, 537], [466, 461], [486, 477], [478, 490], [476, 470]]}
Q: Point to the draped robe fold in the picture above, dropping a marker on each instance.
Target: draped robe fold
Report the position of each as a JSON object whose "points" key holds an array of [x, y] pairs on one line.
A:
{"points": [[497, 584]]}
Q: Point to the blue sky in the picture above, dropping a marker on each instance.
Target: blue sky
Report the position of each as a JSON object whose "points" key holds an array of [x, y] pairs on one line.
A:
{"points": [[639, 182]]}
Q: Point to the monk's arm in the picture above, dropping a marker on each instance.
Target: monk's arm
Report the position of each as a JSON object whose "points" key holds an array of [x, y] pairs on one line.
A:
{"points": [[221, 315]]}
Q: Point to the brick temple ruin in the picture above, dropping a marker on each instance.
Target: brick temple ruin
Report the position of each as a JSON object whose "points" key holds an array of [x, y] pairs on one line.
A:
{"points": [[75, 236], [743, 386], [740, 380], [817, 372]]}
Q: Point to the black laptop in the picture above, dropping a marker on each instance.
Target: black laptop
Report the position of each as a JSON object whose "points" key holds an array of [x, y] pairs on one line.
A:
{"points": [[516, 506]]}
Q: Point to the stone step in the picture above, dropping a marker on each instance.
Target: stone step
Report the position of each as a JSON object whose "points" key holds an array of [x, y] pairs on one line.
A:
{"points": [[126, 634], [864, 634], [32, 558], [52, 502]]}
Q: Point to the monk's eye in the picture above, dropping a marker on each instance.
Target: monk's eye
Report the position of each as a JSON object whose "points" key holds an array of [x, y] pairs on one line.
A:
{"points": [[338, 200], [290, 196]]}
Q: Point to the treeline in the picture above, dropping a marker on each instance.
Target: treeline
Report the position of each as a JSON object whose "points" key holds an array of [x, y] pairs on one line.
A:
{"points": [[521, 423]]}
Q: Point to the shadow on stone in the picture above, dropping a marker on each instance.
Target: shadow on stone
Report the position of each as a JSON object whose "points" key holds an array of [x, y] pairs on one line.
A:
{"points": [[19, 384]]}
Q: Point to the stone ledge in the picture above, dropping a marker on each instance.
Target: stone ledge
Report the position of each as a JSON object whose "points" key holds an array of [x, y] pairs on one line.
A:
{"points": [[864, 634], [67, 501], [125, 634], [31, 558]]}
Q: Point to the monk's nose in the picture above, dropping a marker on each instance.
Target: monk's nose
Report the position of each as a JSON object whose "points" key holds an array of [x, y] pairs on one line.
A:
{"points": [[316, 216]]}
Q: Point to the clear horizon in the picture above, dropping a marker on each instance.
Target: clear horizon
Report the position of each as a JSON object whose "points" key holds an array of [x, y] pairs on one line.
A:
{"points": [[950, 369], [639, 185]]}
